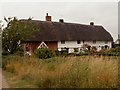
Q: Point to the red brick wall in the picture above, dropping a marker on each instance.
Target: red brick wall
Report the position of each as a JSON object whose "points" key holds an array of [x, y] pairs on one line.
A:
{"points": [[53, 45], [34, 45]]}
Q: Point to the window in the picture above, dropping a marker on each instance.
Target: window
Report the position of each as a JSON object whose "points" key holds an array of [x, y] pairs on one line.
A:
{"points": [[94, 41], [63, 42], [106, 47], [78, 42], [106, 42], [83, 41]]}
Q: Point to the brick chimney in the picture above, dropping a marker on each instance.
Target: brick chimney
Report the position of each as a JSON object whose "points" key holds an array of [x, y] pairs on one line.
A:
{"points": [[92, 23], [48, 18]]}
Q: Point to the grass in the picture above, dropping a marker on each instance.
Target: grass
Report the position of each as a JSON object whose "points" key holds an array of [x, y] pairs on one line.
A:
{"points": [[65, 72]]}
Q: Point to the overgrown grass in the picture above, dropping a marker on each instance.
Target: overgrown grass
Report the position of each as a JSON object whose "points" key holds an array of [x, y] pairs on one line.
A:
{"points": [[66, 72]]}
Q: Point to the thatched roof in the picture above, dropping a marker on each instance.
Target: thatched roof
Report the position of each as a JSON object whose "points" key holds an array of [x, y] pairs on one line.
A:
{"points": [[57, 31]]}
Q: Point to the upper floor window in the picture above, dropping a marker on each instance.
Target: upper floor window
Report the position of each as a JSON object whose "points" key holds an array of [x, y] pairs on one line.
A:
{"points": [[106, 42], [83, 41], [94, 41], [63, 42], [78, 42]]}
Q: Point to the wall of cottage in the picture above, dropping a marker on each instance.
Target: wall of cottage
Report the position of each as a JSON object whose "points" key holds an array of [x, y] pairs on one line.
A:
{"points": [[99, 44], [52, 45], [73, 44], [32, 46], [70, 45]]}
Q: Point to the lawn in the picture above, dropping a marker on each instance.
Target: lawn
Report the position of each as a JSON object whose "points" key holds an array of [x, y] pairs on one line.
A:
{"points": [[65, 72]]}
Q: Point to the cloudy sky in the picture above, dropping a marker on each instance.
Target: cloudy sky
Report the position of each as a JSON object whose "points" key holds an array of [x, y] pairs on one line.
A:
{"points": [[102, 13]]}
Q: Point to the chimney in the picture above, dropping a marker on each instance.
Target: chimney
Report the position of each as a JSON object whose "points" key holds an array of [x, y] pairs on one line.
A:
{"points": [[61, 20], [48, 18], [92, 23]]}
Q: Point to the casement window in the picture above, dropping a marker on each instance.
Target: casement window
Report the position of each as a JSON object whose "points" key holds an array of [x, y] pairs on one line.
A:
{"points": [[63, 42], [106, 42], [83, 41], [78, 42], [94, 41]]}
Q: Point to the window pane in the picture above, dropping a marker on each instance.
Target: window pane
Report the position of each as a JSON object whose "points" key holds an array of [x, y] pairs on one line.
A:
{"points": [[78, 42], [94, 42], [106, 42], [62, 42]]}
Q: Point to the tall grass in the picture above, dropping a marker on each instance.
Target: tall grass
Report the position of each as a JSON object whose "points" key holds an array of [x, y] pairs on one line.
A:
{"points": [[66, 72]]}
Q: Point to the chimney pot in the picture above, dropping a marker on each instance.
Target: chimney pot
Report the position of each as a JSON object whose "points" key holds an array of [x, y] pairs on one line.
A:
{"points": [[48, 18], [92, 23], [61, 20], [46, 14]]}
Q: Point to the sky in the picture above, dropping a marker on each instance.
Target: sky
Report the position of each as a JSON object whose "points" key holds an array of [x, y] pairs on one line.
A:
{"points": [[101, 13]]}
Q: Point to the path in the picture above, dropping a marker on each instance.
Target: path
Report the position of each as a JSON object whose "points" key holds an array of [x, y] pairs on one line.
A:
{"points": [[3, 83]]}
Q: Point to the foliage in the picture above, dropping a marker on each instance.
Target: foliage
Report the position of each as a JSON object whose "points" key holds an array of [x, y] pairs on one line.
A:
{"points": [[63, 52], [75, 49], [57, 53], [44, 53], [16, 32], [110, 52]]}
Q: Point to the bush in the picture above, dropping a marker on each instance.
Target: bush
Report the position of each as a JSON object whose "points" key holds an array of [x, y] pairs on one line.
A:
{"points": [[57, 53], [64, 52], [83, 53], [44, 53], [61, 53], [19, 51], [5, 53], [110, 52]]}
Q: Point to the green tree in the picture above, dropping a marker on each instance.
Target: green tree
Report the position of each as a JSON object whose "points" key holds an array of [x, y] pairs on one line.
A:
{"points": [[16, 32]]}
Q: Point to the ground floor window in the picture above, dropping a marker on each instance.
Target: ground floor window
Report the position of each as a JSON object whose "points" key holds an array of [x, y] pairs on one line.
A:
{"points": [[78, 42], [105, 47]]}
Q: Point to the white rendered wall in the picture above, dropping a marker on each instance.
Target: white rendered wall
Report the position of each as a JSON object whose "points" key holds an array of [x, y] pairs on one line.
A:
{"points": [[73, 44], [69, 44], [98, 44]]}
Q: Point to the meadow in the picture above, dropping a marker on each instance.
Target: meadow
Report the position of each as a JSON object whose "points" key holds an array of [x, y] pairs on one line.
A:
{"points": [[65, 72]]}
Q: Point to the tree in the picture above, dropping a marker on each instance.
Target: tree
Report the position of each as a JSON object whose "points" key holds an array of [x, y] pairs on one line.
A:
{"points": [[1, 25], [16, 32]]}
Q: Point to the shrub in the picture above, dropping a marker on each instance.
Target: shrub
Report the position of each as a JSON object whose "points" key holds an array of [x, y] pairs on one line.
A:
{"points": [[84, 53], [64, 52], [57, 53], [44, 53], [76, 50], [19, 51], [5, 53], [110, 52]]}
